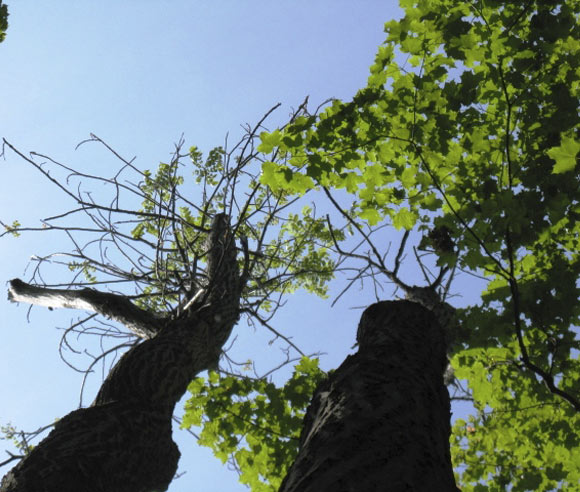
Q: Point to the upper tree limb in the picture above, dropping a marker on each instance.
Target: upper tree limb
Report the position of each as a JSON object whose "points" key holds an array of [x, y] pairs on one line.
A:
{"points": [[117, 307]]}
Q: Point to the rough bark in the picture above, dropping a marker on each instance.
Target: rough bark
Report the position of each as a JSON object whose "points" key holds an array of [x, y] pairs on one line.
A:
{"points": [[122, 442], [381, 421]]}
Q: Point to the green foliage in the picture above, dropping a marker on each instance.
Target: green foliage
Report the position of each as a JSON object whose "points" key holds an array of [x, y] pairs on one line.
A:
{"points": [[252, 421], [565, 155], [521, 436], [3, 20], [311, 236], [12, 228], [293, 250], [208, 171], [477, 132], [10, 433], [85, 268]]}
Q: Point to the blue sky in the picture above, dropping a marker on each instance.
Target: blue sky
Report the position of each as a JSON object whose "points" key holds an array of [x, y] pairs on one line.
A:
{"points": [[139, 74]]}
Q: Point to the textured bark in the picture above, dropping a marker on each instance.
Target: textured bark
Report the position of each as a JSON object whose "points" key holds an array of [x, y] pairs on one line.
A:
{"points": [[122, 442], [381, 421]]}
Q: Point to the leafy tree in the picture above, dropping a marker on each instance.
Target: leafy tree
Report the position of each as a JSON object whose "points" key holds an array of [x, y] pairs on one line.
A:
{"points": [[472, 143], [178, 285], [177, 275], [467, 131]]}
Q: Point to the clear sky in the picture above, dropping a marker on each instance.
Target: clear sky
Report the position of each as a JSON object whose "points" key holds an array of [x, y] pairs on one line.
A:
{"points": [[139, 74]]}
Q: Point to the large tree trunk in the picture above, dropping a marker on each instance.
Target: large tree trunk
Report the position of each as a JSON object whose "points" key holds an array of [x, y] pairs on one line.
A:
{"points": [[381, 421], [122, 442]]}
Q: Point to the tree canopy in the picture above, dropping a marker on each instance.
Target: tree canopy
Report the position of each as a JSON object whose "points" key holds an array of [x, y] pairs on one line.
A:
{"points": [[468, 128], [467, 135]]}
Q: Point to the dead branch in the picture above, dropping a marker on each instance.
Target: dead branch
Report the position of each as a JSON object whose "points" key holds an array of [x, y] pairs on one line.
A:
{"points": [[142, 323]]}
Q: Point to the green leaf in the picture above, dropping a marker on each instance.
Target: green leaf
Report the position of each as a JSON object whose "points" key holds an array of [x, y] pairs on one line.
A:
{"points": [[408, 177], [404, 219], [272, 176], [269, 141], [371, 215], [565, 155], [138, 231], [13, 228]]}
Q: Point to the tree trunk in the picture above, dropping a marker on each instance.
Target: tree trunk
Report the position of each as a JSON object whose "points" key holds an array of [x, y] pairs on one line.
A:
{"points": [[122, 442], [381, 421]]}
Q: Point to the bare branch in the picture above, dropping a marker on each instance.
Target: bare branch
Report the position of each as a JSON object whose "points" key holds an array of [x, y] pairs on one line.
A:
{"points": [[143, 323]]}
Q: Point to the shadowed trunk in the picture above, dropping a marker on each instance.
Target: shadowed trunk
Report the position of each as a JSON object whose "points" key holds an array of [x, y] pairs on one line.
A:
{"points": [[381, 421], [122, 442]]}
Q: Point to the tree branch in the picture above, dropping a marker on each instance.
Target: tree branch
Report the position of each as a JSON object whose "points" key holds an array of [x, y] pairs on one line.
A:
{"points": [[142, 323]]}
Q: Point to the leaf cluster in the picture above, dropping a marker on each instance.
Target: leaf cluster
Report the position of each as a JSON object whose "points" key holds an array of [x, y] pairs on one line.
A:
{"points": [[3, 20], [252, 422], [520, 437]]}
